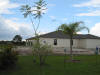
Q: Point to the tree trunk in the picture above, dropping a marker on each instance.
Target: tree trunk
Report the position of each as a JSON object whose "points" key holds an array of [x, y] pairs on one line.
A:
{"points": [[71, 52], [40, 60], [37, 41]]}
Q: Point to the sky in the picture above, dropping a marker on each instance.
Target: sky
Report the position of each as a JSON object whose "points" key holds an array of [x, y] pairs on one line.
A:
{"points": [[12, 22]]}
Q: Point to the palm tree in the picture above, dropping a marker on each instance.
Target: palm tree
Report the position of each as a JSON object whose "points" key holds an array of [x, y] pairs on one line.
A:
{"points": [[71, 30]]}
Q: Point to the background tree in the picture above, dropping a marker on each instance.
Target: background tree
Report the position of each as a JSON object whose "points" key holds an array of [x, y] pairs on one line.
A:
{"points": [[17, 38], [71, 30]]}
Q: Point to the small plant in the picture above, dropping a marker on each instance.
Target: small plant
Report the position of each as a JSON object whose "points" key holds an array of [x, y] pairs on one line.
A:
{"points": [[41, 51], [8, 58]]}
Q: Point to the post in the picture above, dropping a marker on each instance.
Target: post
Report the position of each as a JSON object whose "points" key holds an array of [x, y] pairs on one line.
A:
{"points": [[65, 55], [71, 44], [96, 52]]}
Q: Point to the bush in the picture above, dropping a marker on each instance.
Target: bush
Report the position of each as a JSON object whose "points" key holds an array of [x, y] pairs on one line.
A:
{"points": [[8, 58], [23, 43], [41, 51]]}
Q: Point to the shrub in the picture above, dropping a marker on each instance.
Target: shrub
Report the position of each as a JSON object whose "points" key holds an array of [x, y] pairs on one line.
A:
{"points": [[41, 51], [8, 58]]}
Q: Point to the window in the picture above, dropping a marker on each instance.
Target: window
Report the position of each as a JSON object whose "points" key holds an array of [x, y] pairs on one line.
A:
{"points": [[55, 41]]}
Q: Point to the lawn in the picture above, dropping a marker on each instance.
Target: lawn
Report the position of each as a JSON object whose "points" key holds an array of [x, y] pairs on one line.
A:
{"points": [[55, 66]]}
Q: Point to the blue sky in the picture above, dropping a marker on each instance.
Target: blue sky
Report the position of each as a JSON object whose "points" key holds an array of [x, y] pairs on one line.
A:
{"points": [[62, 11]]}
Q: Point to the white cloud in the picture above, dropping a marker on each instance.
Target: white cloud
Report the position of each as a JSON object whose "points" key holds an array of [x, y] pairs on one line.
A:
{"points": [[79, 32], [42, 32], [95, 30], [9, 28], [5, 5], [92, 13], [90, 3], [12, 26]]}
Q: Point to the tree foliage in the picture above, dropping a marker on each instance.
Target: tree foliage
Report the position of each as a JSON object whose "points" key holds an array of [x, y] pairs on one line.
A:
{"points": [[17, 38], [41, 51], [8, 58], [34, 12], [71, 30]]}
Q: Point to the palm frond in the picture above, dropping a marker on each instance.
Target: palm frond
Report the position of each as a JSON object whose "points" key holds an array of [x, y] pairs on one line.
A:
{"points": [[72, 28], [82, 28]]}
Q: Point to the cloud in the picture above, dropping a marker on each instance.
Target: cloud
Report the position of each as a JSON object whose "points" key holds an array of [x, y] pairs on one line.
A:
{"points": [[90, 3], [95, 30], [9, 28], [79, 32], [5, 5], [92, 13], [12, 26], [42, 32]]}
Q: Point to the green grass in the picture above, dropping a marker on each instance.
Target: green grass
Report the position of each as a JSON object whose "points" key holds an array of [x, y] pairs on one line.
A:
{"points": [[55, 66]]}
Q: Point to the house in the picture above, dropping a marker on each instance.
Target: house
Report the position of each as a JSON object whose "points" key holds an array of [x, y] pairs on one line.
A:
{"points": [[58, 39]]}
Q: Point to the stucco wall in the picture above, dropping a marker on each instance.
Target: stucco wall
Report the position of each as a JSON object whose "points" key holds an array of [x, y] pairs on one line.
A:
{"points": [[60, 42], [77, 43], [81, 43], [88, 43], [92, 43]]}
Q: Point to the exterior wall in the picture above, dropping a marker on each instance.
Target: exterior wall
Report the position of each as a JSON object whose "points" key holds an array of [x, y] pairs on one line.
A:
{"points": [[60, 42], [92, 43], [88, 43], [65, 43], [29, 42], [75, 43], [81, 43]]}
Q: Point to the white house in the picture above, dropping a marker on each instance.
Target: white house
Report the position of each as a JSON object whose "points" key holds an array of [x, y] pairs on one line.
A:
{"points": [[58, 39]]}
